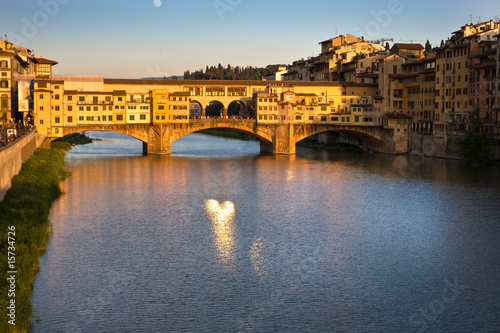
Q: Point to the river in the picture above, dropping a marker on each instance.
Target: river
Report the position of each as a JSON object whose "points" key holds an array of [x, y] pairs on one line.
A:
{"points": [[217, 238]]}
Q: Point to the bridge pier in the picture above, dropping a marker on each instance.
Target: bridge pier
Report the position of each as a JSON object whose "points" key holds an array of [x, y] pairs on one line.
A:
{"points": [[159, 140], [283, 140]]}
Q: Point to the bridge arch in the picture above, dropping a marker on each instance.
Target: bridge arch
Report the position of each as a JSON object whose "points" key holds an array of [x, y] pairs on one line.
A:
{"points": [[139, 132], [365, 137], [246, 126]]}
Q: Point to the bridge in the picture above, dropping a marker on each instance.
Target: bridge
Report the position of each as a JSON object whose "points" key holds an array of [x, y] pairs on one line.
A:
{"points": [[274, 138]]}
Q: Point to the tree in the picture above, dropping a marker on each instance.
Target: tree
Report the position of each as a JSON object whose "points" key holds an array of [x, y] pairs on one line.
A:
{"points": [[428, 47], [475, 146], [387, 46], [442, 43], [174, 77]]}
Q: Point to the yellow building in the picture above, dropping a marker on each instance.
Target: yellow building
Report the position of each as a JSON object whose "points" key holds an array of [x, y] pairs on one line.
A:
{"points": [[340, 50], [159, 105], [333, 104], [179, 106]]}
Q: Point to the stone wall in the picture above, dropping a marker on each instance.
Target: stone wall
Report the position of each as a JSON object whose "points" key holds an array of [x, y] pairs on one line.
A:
{"points": [[12, 157], [440, 146]]}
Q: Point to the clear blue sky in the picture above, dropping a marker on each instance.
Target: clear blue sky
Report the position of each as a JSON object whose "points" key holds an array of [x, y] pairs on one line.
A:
{"points": [[141, 38]]}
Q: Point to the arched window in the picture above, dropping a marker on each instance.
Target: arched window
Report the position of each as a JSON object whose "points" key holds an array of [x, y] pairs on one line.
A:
{"points": [[4, 104]]}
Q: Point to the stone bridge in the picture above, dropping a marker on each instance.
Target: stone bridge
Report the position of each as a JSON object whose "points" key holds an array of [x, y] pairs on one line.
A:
{"points": [[274, 138]]}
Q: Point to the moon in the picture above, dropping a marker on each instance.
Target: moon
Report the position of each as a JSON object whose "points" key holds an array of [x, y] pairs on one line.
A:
{"points": [[157, 3]]}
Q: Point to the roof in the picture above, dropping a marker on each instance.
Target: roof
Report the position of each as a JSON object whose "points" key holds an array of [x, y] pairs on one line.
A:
{"points": [[44, 61], [408, 46]]}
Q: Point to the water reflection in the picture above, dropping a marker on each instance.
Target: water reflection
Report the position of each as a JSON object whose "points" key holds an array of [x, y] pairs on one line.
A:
{"points": [[222, 217], [257, 258]]}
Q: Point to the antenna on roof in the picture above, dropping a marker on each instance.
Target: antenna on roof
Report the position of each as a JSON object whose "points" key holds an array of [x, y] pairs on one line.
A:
{"points": [[470, 18]]}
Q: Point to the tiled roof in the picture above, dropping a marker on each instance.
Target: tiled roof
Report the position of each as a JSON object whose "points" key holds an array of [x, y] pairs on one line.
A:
{"points": [[409, 46]]}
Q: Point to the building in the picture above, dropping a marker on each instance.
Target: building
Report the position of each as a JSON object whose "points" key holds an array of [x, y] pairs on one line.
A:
{"points": [[419, 81], [408, 50], [338, 51], [300, 70], [18, 67], [453, 81], [333, 104], [278, 75]]}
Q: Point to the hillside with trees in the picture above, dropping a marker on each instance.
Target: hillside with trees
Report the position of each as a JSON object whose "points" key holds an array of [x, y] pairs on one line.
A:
{"points": [[230, 73]]}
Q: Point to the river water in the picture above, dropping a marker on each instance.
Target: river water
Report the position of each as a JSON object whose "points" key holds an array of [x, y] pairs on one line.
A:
{"points": [[217, 238]]}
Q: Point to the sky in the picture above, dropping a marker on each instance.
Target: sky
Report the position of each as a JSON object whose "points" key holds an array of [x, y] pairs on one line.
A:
{"points": [[156, 38]]}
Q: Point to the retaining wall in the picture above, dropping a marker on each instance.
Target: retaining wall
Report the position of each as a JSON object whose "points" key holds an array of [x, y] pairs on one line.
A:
{"points": [[12, 157]]}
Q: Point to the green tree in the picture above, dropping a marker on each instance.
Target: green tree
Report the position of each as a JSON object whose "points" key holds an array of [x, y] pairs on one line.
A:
{"points": [[475, 146]]}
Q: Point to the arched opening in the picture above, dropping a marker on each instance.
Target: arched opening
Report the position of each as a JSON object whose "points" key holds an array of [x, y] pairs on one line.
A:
{"points": [[195, 109], [236, 109], [215, 109]]}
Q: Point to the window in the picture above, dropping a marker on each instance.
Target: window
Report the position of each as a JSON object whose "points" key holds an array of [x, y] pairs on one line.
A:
{"points": [[70, 98], [161, 107], [142, 117], [40, 96], [89, 118], [80, 118], [110, 118], [88, 108], [323, 118], [104, 118], [70, 108], [356, 119], [70, 119], [41, 121], [163, 117], [81, 98], [119, 117], [56, 96], [132, 117], [96, 108], [41, 108], [119, 99], [80, 108], [57, 107], [95, 99], [312, 117]]}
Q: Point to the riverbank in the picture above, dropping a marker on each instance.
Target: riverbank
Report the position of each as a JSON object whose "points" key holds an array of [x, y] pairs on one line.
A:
{"points": [[24, 225], [228, 134], [337, 146]]}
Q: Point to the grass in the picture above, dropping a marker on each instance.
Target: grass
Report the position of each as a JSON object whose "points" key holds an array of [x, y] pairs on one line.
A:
{"points": [[26, 206]]}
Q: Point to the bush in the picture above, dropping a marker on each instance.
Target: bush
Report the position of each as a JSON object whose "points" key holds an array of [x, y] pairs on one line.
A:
{"points": [[26, 206]]}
